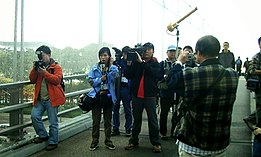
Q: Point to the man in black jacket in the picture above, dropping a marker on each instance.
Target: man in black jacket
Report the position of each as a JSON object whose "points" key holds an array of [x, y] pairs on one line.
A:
{"points": [[143, 73]]}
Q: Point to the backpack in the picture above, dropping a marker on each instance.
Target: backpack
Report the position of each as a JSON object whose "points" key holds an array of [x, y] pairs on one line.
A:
{"points": [[162, 84], [62, 81], [238, 62], [62, 84]]}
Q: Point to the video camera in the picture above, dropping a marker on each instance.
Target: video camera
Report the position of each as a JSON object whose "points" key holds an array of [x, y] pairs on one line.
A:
{"points": [[132, 55]]}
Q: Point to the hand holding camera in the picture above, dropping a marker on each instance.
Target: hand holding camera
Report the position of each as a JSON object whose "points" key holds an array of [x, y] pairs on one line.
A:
{"points": [[183, 56]]}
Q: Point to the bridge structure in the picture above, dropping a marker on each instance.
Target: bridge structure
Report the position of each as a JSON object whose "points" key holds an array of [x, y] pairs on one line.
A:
{"points": [[75, 127]]}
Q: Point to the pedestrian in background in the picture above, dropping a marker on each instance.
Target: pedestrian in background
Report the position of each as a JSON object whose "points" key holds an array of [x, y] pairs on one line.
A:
{"points": [[48, 96], [226, 57], [246, 65], [102, 78], [238, 65]]}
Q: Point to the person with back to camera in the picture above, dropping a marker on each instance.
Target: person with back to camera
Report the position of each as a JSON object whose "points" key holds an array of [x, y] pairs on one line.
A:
{"points": [[207, 119], [123, 95], [238, 65], [102, 77], [246, 65], [48, 96], [168, 98], [143, 73]]}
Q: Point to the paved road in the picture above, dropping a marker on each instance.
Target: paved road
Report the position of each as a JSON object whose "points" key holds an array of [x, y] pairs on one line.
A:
{"points": [[77, 146]]}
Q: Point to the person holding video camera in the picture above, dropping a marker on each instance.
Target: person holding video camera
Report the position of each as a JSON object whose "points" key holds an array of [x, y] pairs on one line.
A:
{"points": [[208, 93], [48, 96], [123, 94], [102, 78], [143, 73]]}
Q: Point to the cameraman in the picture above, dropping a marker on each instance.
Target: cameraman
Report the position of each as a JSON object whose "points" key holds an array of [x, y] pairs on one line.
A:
{"points": [[143, 74], [48, 95], [123, 94]]}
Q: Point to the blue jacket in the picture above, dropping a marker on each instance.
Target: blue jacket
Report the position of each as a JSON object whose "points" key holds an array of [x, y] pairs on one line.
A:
{"points": [[95, 76]]}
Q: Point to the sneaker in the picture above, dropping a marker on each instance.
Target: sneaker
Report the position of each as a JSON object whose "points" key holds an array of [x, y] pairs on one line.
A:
{"points": [[157, 149], [39, 139], [128, 133], [93, 146], [131, 146], [110, 146], [51, 147], [115, 132], [250, 124]]}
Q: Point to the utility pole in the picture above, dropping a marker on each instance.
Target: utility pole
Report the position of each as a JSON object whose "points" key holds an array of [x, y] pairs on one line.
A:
{"points": [[22, 42], [100, 21], [15, 44]]}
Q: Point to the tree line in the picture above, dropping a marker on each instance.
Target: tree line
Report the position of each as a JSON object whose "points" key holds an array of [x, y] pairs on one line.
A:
{"points": [[73, 61]]}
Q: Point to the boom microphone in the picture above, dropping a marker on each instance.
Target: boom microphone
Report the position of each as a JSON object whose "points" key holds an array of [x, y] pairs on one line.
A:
{"points": [[172, 26]]}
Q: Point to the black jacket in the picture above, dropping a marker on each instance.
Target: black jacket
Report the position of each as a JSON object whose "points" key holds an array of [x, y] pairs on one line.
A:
{"points": [[151, 75]]}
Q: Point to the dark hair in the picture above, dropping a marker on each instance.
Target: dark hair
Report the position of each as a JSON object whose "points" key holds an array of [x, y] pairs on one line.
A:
{"points": [[148, 45], [226, 42], [208, 46], [188, 47], [259, 39], [44, 49], [104, 50], [125, 49]]}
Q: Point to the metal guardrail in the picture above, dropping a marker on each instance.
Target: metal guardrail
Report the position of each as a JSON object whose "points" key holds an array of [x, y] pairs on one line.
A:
{"points": [[20, 106]]}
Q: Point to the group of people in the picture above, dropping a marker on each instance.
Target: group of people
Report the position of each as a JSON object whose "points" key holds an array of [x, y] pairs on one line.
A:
{"points": [[195, 84], [184, 76], [227, 59]]}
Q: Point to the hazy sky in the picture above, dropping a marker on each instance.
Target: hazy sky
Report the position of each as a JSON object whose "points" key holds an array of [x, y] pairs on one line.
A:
{"points": [[126, 22]]}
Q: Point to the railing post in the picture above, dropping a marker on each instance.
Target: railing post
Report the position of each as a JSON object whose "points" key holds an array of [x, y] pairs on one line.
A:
{"points": [[16, 116]]}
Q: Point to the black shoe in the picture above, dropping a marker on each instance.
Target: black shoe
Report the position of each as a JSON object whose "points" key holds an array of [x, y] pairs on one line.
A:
{"points": [[51, 147], [115, 132], [93, 146], [128, 133], [110, 146], [40, 140], [165, 138]]}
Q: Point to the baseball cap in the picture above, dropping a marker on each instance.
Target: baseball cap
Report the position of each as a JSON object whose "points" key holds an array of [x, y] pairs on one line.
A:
{"points": [[172, 48]]}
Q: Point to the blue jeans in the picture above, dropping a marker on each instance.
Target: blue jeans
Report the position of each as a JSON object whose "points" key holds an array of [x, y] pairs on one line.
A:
{"points": [[256, 148], [125, 98], [37, 114]]}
